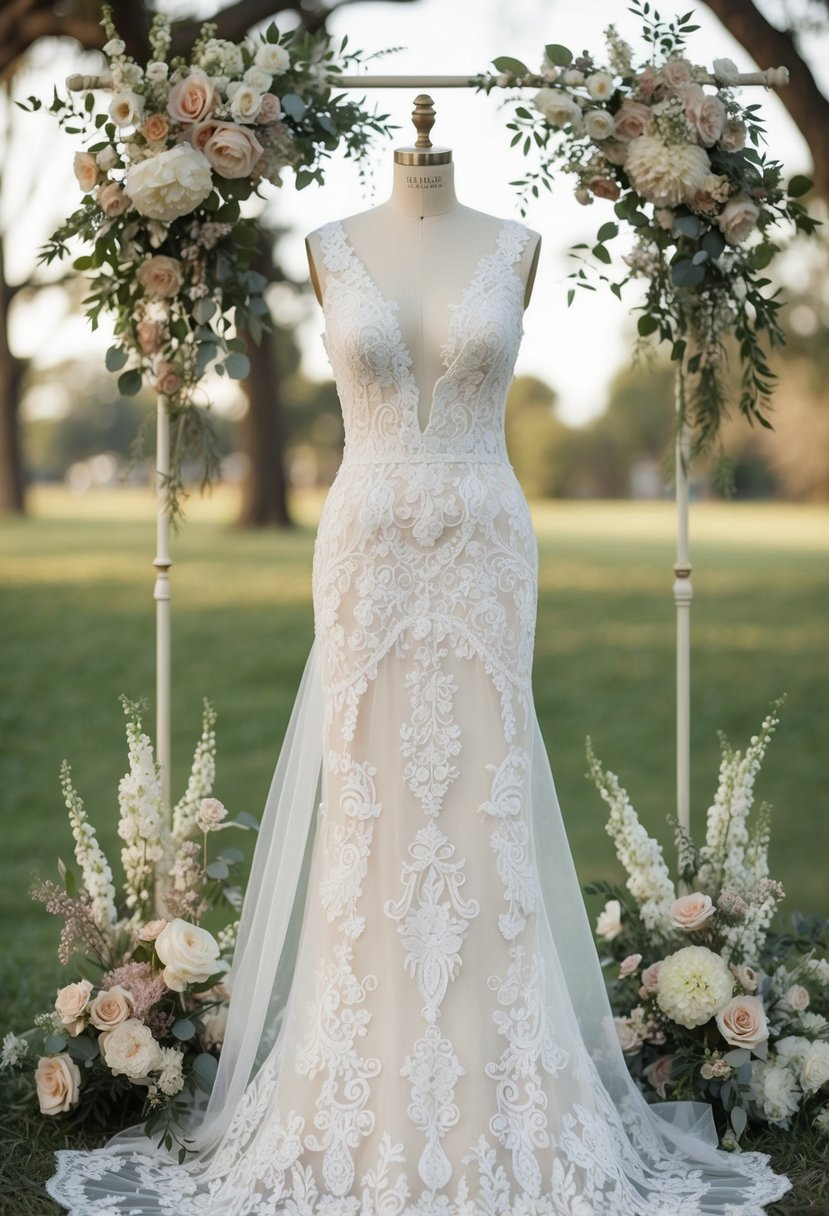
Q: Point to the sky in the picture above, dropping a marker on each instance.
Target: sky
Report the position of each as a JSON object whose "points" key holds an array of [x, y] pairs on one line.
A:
{"points": [[577, 350]]}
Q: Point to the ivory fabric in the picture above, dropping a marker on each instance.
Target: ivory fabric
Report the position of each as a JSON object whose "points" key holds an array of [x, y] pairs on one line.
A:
{"points": [[419, 1025]]}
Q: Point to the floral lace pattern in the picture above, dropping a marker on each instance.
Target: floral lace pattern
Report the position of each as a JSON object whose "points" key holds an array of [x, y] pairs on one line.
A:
{"points": [[430, 1061]]}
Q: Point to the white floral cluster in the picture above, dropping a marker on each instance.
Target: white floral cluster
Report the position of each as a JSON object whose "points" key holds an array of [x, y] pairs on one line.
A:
{"points": [[96, 873], [649, 880], [798, 1069], [227, 939], [14, 1050], [200, 781], [141, 823]]}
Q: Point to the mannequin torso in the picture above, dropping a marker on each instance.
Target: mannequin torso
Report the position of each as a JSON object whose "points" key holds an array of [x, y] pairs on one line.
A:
{"points": [[422, 248]]}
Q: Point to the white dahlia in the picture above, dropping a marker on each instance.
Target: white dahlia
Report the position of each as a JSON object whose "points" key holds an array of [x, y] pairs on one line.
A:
{"points": [[666, 174], [694, 983], [171, 184]]}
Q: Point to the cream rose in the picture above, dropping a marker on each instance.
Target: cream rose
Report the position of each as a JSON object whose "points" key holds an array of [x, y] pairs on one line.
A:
{"points": [[232, 150], [58, 1083], [797, 998], [738, 219], [246, 103], [632, 120], [112, 200], [599, 85], [160, 276], [155, 128], [71, 1005], [691, 912], [743, 1022], [274, 59], [125, 109], [210, 815], [130, 1050], [598, 124], [705, 113], [85, 168], [746, 976], [192, 98], [676, 74], [609, 920], [170, 184], [110, 1007], [557, 107], [258, 79], [190, 954]]}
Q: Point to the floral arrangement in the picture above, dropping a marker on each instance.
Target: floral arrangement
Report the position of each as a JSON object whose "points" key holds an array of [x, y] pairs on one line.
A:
{"points": [[672, 148], [164, 174], [144, 1022], [710, 1003]]}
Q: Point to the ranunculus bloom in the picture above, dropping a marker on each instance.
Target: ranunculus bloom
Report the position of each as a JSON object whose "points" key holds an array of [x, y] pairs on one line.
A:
{"points": [[58, 1082], [112, 200], [168, 379], [169, 184], [110, 1007], [160, 276], [658, 1073], [192, 98], [632, 120], [130, 1050], [742, 1022], [691, 912], [629, 965], [232, 150], [86, 171], [705, 113], [190, 954], [71, 1005], [738, 219], [150, 931], [603, 187], [155, 127], [814, 1067], [609, 920], [270, 109], [151, 335]]}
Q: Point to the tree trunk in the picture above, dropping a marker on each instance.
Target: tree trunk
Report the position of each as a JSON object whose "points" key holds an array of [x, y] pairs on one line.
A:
{"points": [[772, 48], [264, 489], [12, 481]]}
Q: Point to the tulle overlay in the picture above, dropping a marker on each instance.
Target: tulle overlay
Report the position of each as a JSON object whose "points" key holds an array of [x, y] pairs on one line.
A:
{"points": [[419, 1024]]}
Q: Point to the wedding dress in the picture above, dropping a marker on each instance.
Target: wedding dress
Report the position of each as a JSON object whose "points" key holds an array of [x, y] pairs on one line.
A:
{"points": [[419, 1025]]}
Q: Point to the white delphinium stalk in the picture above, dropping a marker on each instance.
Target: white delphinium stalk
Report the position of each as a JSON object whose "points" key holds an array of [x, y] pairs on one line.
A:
{"points": [[200, 782], [141, 825], [227, 940], [96, 873], [723, 861], [648, 878]]}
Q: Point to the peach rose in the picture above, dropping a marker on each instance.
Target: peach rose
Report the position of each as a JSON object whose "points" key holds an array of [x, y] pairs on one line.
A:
{"points": [[676, 74], [151, 336], [155, 128], [658, 1073], [192, 98], [629, 965], [86, 171], [609, 920], [270, 109], [738, 219], [603, 187], [232, 150], [691, 912], [632, 120], [797, 998], [733, 138], [110, 1007], [151, 930], [168, 381], [199, 133], [705, 113], [112, 200], [161, 276], [71, 1005], [650, 977], [58, 1082], [743, 1022]]}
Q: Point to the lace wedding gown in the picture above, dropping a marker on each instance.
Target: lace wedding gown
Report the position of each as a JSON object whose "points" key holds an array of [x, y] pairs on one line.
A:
{"points": [[419, 1024]]}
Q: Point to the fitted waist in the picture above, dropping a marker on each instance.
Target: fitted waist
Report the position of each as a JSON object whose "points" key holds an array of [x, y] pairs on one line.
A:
{"points": [[428, 458]]}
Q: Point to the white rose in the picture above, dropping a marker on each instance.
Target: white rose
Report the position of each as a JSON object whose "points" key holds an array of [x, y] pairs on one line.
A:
{"points": [[599, 85], [274, 59], [190, 954], [691, 912], [738, 219], [114, 47], [609, 920], [814, 1068], [157, 72], [557, 107], [246, 103], [170, 184], [106, 158], [573, 77], [598, 124], [57, 1081], [796, 998], [258, 79], [726, 71], [130, 1050], [126, 109], [743, 1022], [820, 968], [71, 1005], [210, 815]]}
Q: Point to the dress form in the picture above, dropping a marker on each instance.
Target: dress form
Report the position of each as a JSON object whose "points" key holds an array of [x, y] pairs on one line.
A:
{"points": [[422, 248]]}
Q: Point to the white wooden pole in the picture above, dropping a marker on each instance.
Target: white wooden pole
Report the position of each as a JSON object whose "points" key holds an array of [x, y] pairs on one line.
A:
{"points": [[161, 593], [683, 595]]}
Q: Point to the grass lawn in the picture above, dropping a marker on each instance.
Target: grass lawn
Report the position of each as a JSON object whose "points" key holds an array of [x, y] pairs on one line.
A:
{"points": [[77, 623]]}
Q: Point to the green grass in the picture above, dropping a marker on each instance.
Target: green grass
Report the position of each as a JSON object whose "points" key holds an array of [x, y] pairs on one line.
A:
{"points": [[77, 623]]}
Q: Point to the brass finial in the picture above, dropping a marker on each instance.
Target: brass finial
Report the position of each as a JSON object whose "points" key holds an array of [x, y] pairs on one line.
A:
{"points": [[423, 117]]}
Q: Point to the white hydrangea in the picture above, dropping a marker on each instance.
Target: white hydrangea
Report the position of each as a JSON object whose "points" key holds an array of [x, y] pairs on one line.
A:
{"points": [[200, 782], [775, 1090], [693, 984], [14, 1050], [648, 878], [815, 1023], [814, 1066], [220, 55], [96, 873]]}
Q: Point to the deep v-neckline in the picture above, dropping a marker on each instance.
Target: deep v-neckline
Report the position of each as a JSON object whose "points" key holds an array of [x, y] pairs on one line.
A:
{"points": [[392, 306]]}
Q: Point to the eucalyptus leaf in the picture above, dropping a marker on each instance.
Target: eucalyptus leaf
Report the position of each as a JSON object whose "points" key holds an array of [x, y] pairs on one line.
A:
{"points": [[799, 185], [231, 855], [713, 243], [647, 325], [559, 55], [237, 365], [737, 1056], [115, 359], [739, 1119], [204, 1071], [55, 1043], [293, 105], [244, 820], [183, 1029], [129, 383], [688, 225], [607, 231], [218, 869], [82, 1048], [505, 63]]}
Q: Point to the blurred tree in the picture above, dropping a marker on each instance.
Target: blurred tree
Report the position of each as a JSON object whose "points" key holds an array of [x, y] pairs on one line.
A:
{"points": [[535, 438]]}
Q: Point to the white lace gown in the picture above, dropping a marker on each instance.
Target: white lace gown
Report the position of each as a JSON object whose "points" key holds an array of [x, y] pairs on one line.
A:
{"points": [[436, 1039]]}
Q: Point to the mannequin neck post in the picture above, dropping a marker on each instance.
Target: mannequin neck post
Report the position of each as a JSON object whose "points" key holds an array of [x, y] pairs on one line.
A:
{"points": [[423, 190]]}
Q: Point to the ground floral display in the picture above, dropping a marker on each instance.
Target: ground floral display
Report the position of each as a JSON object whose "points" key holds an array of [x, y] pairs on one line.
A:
{"points": [[164, 172], [142, 1026], [709, 1002], [677, 154]]}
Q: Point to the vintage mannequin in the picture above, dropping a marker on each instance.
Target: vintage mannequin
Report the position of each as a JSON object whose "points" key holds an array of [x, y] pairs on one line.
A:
{"points": [[422, 247]]}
